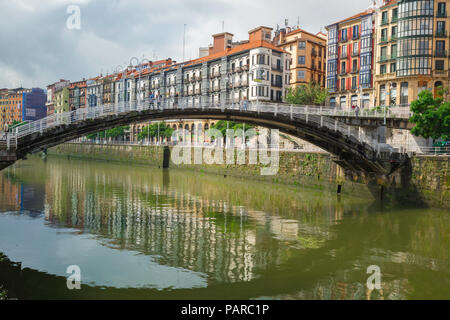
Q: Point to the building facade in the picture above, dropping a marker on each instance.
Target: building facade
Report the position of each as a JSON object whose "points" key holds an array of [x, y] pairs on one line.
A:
{"points": [[308, 53], [62, 99], [34, 107], [413, 50], [51, 97], [77, 95], [350, 61]]}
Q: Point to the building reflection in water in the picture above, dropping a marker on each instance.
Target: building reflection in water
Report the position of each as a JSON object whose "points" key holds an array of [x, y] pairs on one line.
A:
{"points": [[232, 230]]}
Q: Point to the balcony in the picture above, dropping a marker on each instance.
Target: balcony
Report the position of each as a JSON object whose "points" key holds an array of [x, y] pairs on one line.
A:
{"points": [[277, 84], [343, 72], [214, 74], [384, 22], [441, 34], [383, 40], [355, 36], [440, 53], [441, 14], [277, 68], [344, 55], [355, 70], [393, 38], [344, 39], [355, 54], [394, 19]]}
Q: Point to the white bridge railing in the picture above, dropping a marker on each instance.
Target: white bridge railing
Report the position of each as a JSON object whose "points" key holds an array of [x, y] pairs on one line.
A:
{"points": [[320, 116]]}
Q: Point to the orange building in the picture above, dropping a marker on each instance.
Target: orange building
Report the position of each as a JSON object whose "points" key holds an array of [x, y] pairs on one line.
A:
{"points": [[11, 103], [308, 52]]}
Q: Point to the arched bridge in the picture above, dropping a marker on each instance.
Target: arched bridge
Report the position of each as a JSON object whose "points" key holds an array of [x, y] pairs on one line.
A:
{"points": [[350, 146]]}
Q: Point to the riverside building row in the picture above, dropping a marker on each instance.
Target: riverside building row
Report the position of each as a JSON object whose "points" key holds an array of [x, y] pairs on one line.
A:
{"points": [[386, 56]]}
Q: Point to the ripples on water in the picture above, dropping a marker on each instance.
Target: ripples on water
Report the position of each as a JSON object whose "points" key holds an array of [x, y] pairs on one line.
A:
{"points": [[138, 232]]}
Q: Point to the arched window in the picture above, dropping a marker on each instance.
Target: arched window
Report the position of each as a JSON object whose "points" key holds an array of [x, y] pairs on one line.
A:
{"points": [[438, 85], [343, 102]]}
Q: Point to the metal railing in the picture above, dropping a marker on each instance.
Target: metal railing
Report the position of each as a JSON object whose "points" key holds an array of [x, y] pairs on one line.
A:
{"points": [[321, 116]]}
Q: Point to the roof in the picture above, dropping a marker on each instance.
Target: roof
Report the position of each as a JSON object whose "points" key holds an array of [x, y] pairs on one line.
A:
{"points": [[235, 50], [356, 16], [389, 3], [303, 31]]}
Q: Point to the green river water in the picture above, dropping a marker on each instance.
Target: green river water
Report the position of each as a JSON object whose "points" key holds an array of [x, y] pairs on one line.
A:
{"points": [[143, 233]]}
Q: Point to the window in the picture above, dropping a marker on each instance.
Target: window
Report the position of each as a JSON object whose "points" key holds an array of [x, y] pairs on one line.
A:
{"points": [[301, 59], [393, 67], [395, 14], [393, 51], [344, 35], [384, 17], [440, 28], [333, 102], [404, 93], [342, 85], [355, 65], [439, 64], [384, 35], [394, 32], [383, 69], [302, 45], [440, 48], [354, 83], [355, 32], [441, 12], [344, 51], [383, 95], [301, 74], [342, 102], [343, 68], [383, 53]]}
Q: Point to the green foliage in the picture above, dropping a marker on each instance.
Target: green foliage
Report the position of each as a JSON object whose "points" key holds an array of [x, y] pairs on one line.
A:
{"points": [[307, 94], [221, 125], [111, 133], [431, 116], [152, 131]]}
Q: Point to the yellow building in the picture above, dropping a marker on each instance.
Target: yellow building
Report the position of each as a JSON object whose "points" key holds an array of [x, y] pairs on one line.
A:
{"points": [[308, 53], [412, 50]]}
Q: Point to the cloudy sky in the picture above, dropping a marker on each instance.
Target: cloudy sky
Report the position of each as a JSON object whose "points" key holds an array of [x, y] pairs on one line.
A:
{"points": [[37, 48]]}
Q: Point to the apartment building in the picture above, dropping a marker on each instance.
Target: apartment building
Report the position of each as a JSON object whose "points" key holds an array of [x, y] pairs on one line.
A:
{"points": [[77, 95], [350, 60], [308, 53], [51, 97], [412, 51]]}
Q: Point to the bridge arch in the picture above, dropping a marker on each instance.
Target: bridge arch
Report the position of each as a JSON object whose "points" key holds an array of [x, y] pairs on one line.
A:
{"points": [[349, 152]]}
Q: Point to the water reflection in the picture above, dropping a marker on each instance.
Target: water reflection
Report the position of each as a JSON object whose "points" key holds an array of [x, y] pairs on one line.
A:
{"points": [[190, 235]]}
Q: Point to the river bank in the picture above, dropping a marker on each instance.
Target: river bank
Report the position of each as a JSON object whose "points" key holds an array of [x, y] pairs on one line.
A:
{"points": [[426, 182]]}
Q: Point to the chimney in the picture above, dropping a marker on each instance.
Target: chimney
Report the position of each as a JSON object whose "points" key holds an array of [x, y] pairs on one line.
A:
{"points": [[221, 41], [260, 34]]}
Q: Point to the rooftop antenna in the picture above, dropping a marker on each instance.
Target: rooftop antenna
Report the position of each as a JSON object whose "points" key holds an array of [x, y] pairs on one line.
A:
{"points": [[184, 40], [298, 22], [223, 26], [286, 22]]}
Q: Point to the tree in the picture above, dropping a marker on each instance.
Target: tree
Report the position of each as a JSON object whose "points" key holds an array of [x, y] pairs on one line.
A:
{"points": [[221, 125], [152, 131], [111, 133], [307, 94], [431, 116]]}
